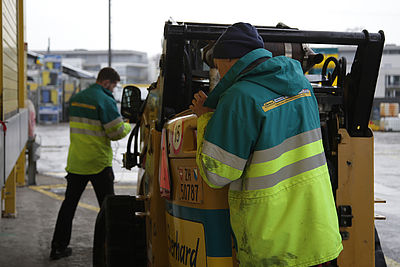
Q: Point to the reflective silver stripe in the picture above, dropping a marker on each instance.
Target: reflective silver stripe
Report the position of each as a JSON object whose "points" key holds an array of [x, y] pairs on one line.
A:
{"points": [[236, 185], [117, 133], [285, 173], [87, 132], [215, 179], [113, 123], [287, 145], [288, 50], [223, 156], [85, 120]]}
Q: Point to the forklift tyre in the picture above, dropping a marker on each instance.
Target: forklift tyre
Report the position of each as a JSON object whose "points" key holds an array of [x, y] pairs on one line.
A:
{"points": [[119, 236], [379, 256]]}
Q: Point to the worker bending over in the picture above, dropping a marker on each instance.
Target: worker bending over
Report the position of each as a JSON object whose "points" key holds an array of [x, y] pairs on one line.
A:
{"points": [[264, 140]]}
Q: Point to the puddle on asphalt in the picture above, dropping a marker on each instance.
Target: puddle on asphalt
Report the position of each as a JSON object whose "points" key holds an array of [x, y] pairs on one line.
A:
{"points": [[60, 190]]}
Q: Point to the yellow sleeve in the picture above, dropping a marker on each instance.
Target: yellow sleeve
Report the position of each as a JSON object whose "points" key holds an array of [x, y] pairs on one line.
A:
{"points": [[202, 122]]}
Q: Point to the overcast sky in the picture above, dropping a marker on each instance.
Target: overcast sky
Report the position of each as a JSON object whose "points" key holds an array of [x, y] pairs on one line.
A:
{"points": [[138, 24]]}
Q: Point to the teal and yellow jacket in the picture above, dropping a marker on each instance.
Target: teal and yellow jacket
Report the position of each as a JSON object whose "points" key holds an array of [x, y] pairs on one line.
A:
{"points": [[264, 140], [94, 122]]}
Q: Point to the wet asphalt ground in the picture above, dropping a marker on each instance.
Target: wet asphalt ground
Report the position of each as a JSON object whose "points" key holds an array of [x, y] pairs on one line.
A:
{"points": [[387, 187], [25, 240]]}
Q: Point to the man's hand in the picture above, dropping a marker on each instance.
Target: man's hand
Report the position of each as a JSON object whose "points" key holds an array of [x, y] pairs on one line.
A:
{"points": [[198, 102]]}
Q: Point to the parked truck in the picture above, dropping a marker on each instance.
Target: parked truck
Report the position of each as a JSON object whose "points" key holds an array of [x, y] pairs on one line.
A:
{"points": [[175, 219]]}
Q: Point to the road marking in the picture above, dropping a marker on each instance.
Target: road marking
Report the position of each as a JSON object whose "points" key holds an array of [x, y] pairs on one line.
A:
{"points": [[391, 263], [43, 189]]}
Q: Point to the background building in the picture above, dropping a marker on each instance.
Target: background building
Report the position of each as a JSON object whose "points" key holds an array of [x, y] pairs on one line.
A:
{"points": [[50, 85], [54, 76], [137, 67], [388, 84], [133, 66]]}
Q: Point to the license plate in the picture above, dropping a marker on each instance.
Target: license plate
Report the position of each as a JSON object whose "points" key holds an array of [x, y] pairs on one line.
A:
{"points": [[191, 186]]}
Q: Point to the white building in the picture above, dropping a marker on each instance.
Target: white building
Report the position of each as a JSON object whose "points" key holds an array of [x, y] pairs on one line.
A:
{"points": [[132, 66], [388, 84]]}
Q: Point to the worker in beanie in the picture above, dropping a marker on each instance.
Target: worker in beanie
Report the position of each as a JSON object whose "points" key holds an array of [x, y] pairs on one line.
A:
{"points": [[259, 132], [237, 41]]}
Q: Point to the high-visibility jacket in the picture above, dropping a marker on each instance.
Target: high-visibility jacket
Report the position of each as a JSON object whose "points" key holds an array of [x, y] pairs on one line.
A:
{"points": [[264, 139], [94, 121]]}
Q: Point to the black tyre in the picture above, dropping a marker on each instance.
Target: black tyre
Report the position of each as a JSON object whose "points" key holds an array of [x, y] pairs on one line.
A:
{"points": [[379, 257], [120, 236]]}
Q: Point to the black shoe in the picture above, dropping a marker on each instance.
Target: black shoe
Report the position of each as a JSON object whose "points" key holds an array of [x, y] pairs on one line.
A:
{"points": [[57, 253]]}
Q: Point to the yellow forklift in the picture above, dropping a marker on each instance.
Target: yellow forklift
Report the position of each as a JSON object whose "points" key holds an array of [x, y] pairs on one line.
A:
{"points": [[175, 219]]}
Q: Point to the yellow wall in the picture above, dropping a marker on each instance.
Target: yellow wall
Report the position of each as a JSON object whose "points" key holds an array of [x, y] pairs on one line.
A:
{"points": [[9, 57], [22, 56], [1, 66], [13, 94]]}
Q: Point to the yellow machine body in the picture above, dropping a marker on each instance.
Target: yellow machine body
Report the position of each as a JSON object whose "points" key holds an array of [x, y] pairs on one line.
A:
{"points": [[197, 215], [356, 189], [188, 222], [183, 220]]}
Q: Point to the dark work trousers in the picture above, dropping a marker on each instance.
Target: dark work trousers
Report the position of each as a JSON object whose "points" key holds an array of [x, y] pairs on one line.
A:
{"points": [[103, 184]]}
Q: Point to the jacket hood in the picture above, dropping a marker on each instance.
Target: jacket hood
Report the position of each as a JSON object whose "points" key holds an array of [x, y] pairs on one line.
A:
{"points": [[280, 74]]}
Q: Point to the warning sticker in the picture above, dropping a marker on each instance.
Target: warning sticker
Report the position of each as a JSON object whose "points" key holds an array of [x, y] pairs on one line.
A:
{"points": [[164, 177], [177, 136]]}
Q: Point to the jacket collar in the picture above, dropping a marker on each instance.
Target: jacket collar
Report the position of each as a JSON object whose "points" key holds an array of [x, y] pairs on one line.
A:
{"points": [[108, 92], [234, 74]]}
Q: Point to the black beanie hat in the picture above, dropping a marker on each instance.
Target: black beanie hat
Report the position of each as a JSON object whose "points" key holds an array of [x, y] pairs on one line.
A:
{"points": [[237, 40]]}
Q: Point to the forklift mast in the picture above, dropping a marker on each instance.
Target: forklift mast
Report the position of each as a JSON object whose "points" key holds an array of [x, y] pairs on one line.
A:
{"points": [[357, 91]]}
